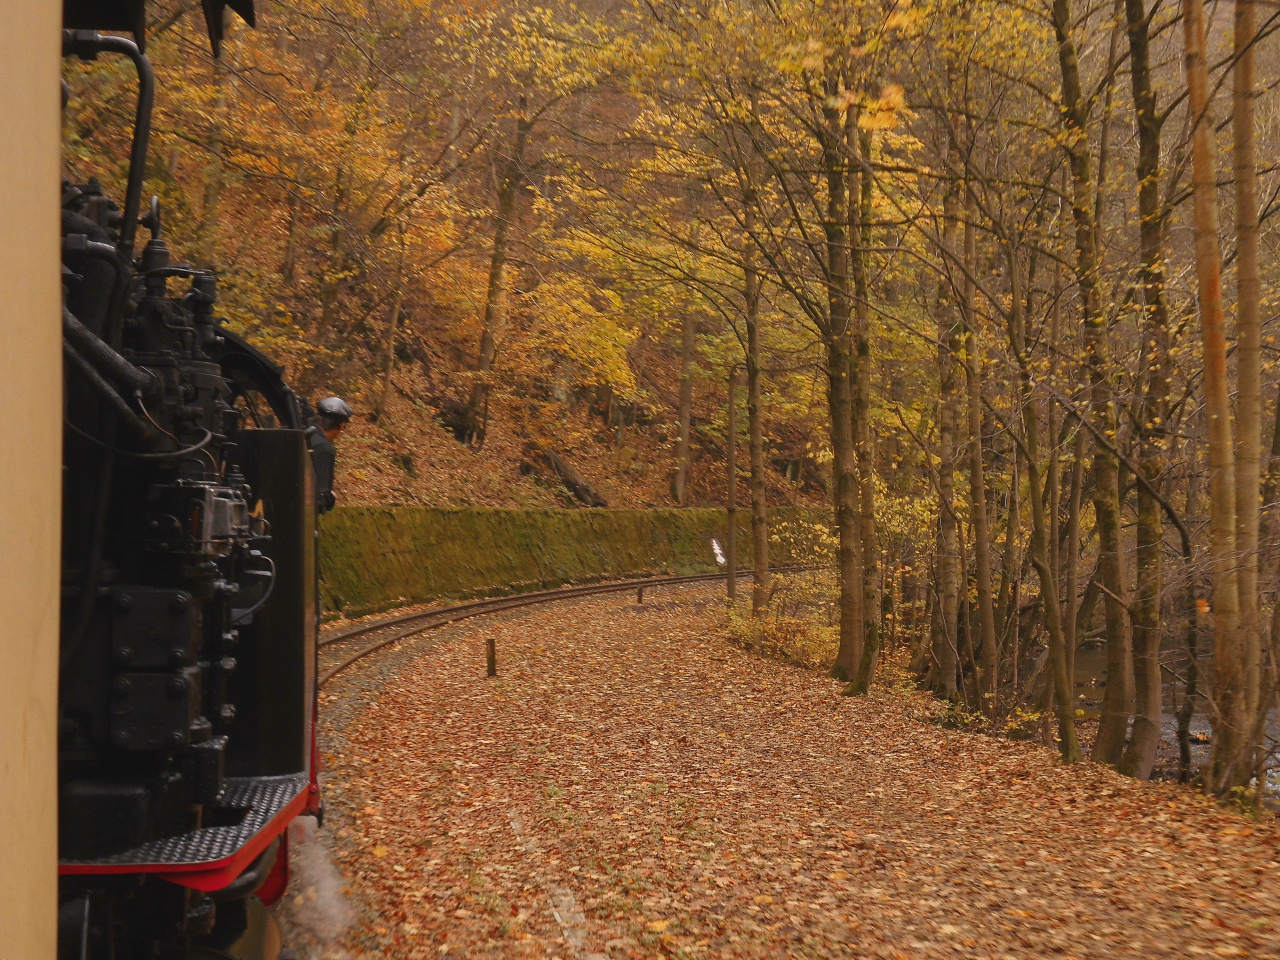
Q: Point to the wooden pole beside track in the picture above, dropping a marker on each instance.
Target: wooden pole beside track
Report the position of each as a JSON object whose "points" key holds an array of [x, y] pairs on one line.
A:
{"points": [[30, 478]]}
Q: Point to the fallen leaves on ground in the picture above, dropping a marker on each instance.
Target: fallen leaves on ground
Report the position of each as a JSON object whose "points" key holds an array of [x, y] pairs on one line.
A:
{"points": [[633, 786]]}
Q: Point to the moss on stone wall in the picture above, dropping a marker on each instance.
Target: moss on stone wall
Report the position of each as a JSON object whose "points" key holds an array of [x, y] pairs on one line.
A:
{"points": [[375, 558]]}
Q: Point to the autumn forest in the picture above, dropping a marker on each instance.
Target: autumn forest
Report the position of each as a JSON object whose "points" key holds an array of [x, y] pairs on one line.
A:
{"points": [[979, 292]]}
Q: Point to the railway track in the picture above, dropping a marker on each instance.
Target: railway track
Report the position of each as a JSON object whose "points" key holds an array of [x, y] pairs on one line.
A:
{"points": [[403, 626]]}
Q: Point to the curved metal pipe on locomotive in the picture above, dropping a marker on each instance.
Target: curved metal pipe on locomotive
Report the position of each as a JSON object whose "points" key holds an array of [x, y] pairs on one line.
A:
{"points": [[187, 689]]}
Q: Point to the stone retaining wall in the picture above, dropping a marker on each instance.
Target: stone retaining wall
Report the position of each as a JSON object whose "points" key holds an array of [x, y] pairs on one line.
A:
{"points": [[376, 558]]}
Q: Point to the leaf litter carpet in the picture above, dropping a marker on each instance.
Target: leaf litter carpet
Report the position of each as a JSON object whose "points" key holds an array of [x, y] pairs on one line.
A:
{"points": [[632, 785]]}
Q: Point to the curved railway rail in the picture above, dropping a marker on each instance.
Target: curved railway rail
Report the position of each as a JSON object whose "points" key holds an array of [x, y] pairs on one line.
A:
{"points": [[406, 625]]}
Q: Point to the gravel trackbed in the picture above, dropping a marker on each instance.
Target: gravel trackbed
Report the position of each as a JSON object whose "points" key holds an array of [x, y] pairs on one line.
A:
{"points": [[632, 785]]}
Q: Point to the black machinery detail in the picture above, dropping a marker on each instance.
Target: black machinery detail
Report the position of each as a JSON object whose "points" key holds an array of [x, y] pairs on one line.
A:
{"points": [[187, 687]]}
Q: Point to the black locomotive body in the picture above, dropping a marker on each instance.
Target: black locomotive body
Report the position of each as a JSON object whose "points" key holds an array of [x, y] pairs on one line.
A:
{"points": [[187, 683]]}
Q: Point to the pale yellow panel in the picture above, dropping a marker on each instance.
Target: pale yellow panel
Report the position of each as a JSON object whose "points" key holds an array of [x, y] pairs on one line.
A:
{"points": [[30, 464]]}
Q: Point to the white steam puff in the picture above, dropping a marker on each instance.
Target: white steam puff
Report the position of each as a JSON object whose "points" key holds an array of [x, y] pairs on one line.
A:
{"points": [[317, 910]]}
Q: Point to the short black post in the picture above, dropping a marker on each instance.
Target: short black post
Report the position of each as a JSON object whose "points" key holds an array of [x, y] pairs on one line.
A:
{"points": [[639, 594], [492, 656]]}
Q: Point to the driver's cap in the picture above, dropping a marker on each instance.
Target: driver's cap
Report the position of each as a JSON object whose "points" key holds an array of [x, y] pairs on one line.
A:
{"points": [[334, 410]]}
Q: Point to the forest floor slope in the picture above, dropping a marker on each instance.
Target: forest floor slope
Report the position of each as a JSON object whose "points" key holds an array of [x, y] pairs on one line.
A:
{"points": [[408, 457], [632, 785]]}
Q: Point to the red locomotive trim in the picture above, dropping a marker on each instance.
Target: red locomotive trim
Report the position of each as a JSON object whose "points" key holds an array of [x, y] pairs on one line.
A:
{"points": [[314, 803], [277, 881], [213, 875]]}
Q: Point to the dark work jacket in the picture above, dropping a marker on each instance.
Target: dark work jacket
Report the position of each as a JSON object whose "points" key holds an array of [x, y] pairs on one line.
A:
{"points": [[323, 459]]}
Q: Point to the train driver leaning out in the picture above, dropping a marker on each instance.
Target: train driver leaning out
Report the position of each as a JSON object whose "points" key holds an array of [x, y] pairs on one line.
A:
{"points": [[332, 415]]}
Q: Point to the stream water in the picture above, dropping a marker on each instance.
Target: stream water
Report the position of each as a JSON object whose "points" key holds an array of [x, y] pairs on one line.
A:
{"points": [[1091, 681]]}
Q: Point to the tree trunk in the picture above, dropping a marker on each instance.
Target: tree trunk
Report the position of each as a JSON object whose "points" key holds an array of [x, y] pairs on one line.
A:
{"points": [[969, 681], [1248, 366], [333, 277], [289, 263], [911, 600], [1053, 493], [1053, 474], [1063, 701], [393, 326], [947, 651], [844, 468], [731, 484], [922, 658], [755, 428], [1191, 669], [1140, 755], [1072, 579], [1011, 570], [838, 340], [977, 476], [389, 356], [1269, 527], [1104, 136], [1228, 765], [510, 176], [1109, 744], [860, 226], [688, 340], [493, 307], [1268, 563]]}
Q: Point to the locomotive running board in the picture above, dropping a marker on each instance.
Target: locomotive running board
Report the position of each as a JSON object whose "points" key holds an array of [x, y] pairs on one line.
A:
{"points": [[210, 858]]}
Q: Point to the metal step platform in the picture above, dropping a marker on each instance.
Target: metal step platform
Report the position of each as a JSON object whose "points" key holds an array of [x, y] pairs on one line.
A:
{"points": [[211, 857]]}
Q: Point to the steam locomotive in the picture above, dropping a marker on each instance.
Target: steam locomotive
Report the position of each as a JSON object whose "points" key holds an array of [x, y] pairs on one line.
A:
{"points": [[188, 659]]}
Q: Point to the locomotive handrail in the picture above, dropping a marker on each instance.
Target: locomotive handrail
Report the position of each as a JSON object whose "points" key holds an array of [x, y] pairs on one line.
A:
{"points": [[87, 44]]}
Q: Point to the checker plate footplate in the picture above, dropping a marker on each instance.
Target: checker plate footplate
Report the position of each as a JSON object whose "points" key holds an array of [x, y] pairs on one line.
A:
{"points": [[264, 797]]}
